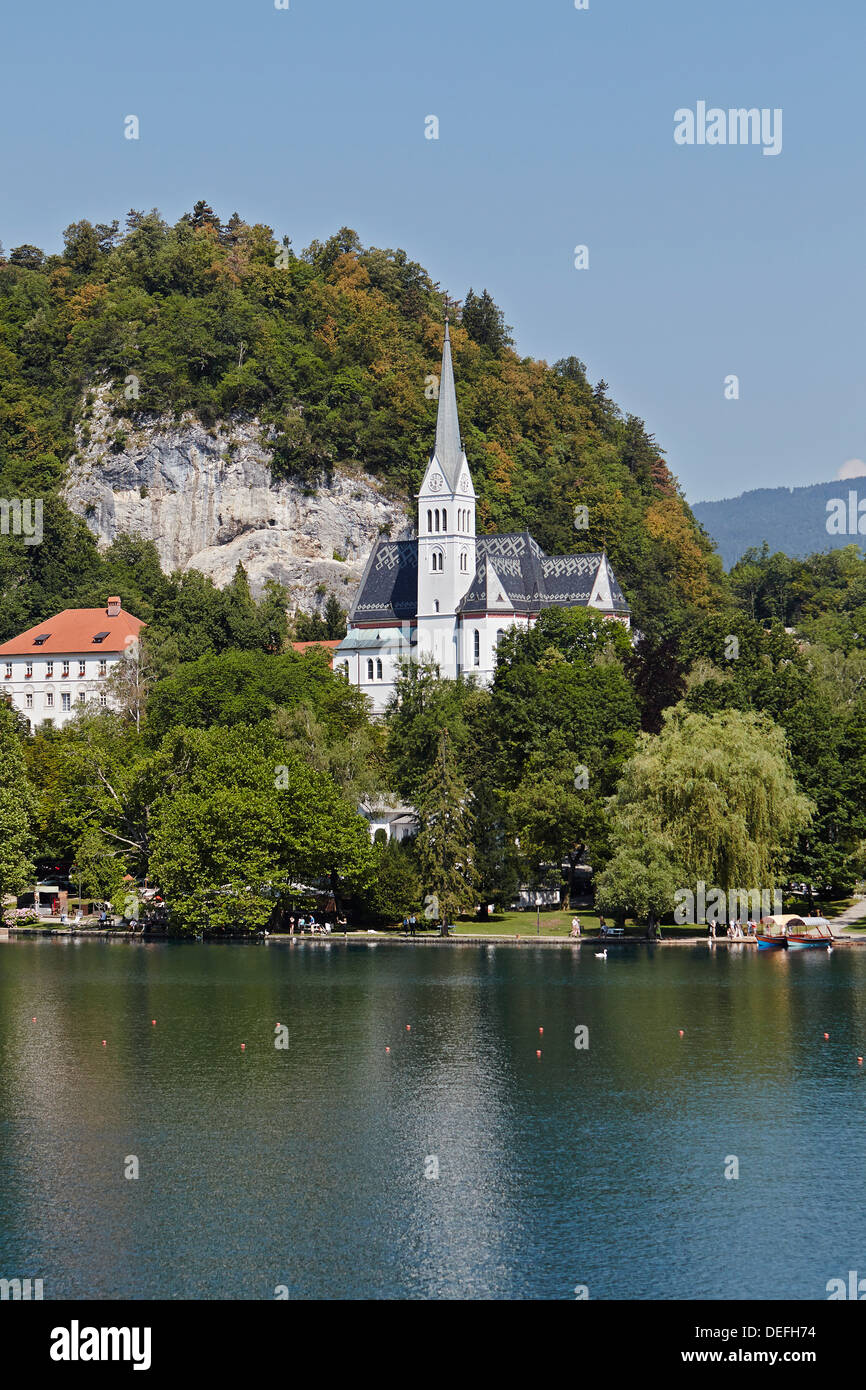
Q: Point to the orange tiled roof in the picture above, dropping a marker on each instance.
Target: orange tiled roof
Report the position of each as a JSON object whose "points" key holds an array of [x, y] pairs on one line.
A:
{"points": [[72, 632], [332, 643]]}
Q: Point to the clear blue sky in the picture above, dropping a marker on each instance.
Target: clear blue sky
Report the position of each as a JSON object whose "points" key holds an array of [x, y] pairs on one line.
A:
{"points": [[556, 128]]}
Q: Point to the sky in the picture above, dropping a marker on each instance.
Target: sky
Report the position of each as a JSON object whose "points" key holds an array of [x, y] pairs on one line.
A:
{"points": [[555, 130]]}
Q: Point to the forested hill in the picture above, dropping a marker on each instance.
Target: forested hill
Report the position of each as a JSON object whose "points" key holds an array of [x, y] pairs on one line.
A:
{"points": [[332, 350], [791, 520]]}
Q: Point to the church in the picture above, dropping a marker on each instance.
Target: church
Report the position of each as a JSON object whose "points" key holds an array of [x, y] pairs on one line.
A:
{"points": [[450, 595]]}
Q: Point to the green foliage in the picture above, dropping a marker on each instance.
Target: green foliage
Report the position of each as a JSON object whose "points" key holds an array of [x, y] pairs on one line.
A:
{"points": [[715, 796], [17, 805], [242, 821], [444, 848], [240, 687], [395, 887]]}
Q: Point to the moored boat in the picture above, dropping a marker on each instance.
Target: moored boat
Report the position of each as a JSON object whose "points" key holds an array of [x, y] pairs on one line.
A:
{"points": [[816, 934]]}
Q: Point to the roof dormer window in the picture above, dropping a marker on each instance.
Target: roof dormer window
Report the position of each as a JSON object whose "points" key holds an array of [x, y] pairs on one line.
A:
{"points": [[101, 636]]}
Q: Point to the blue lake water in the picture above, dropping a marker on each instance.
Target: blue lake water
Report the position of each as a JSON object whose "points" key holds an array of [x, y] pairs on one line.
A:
{"points": [[305, 1167]]}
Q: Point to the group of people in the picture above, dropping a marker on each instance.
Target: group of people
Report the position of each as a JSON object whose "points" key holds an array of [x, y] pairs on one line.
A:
{"points": [[736, 930], [309, 924]]}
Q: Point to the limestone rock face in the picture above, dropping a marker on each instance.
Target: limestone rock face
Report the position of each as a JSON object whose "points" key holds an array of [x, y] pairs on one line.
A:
{"points": [[207, 500]]}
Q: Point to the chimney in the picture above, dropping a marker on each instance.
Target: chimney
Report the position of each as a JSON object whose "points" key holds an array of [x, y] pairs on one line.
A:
{"points": [[114, 607]]}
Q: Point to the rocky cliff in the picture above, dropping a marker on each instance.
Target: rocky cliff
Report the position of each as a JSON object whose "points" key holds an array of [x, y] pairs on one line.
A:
{"points": [[207, 500]]}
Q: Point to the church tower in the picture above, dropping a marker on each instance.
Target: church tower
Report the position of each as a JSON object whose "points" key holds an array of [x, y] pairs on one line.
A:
{"points": [[446, 531]]}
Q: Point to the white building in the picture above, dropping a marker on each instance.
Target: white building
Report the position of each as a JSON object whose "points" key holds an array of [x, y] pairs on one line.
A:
{"points": [[450, 595], [63, 663]]}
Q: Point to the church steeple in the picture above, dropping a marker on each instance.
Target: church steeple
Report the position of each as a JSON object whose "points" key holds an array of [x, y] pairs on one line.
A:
{"points": [[448, 448]]}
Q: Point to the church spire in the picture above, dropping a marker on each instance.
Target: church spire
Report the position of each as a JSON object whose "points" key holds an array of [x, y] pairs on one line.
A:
{"points": [[448, 449]]}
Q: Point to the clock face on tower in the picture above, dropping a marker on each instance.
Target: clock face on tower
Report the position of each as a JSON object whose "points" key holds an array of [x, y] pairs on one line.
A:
{"points": [[436, 482], [464, 483]]}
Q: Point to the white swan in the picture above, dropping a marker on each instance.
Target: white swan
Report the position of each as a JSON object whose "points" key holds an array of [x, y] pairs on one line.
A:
{"points": [[601, 955]]}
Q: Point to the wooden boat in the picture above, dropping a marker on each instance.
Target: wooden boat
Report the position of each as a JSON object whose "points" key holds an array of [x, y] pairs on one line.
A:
{"points": [[817, 934], [788, 932], [773, 934], [772, 943]]}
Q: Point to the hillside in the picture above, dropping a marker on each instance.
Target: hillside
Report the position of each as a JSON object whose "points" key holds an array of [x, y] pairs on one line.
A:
{"points": [[152, 341], [791, 520]]}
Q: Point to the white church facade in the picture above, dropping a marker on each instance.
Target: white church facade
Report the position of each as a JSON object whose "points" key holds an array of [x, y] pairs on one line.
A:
{"points": [[451, 595]]}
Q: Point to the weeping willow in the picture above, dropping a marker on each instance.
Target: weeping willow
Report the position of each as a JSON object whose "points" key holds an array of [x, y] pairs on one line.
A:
{"points": [[718, 793]]}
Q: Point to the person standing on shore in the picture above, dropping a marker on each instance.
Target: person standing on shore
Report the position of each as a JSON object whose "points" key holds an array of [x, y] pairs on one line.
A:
{"points": [[575, 927]]}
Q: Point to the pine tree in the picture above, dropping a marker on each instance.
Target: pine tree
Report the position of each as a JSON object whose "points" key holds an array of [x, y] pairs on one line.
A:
{"points": [[446, 854]]}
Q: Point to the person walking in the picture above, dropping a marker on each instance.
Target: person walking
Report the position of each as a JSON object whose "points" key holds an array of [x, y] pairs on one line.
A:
{"points": [[575, 927]]}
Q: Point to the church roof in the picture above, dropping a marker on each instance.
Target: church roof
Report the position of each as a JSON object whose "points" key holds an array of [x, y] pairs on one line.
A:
{"points": [[389, 584], [531, 580]]}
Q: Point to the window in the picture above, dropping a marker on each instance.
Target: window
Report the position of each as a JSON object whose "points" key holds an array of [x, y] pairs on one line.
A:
{"points": [[49, 669], [476, 648], [435, 605], [103, 667], [429, 519], [8, 670], [444, 520], [436, 514], [500, 633], [82, 670], [49, 699], [65, 671], [464, 561], [103, 699], [378, 670], [82, 696], [65, 700], [370, 669], [437, 561], [28, 699], [28, 670]]}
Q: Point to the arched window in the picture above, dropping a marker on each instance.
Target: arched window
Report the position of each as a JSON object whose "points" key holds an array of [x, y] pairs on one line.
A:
{"points": [[435, 605], [437, 518], [444, 520], [500, 633], [464, 561], [378, 670], [370, 669], [476, 648], [429, 520], [437, 559]]}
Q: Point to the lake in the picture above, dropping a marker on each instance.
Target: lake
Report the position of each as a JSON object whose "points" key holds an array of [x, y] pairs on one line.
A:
{"points": [[312, 1167]]}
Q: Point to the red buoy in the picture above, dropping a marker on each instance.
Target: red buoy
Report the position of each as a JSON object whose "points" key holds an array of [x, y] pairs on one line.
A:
{"points": [[153, 1022], [860, 1061], [387, 1049], [826, 1035], [682, 1033], [408, 1027], [541, 1030], [243, 1047]]}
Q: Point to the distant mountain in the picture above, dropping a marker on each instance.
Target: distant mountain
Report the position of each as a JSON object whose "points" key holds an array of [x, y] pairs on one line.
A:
{"points": [[794, 520]]}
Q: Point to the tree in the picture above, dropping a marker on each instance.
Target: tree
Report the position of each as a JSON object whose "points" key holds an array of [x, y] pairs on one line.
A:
{"points": [[244, 819], [17, 806], [446, 854], [716, 794], [484, 322], [639, 881]]}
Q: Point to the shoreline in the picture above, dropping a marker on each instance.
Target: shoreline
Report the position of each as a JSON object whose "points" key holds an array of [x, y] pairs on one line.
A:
{"points": [[377, 938]]}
